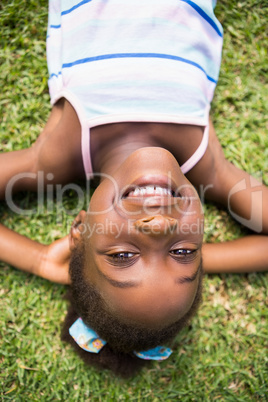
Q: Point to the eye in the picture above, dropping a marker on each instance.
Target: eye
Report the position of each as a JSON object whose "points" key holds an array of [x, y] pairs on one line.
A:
{"points": [[183, 254], [122, 258], [181, 251]]}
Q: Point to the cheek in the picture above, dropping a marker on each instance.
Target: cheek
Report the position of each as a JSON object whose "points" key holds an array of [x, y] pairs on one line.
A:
{"points": [[102, 199]]}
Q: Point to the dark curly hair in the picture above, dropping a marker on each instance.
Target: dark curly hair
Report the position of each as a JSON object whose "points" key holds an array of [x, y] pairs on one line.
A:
{"points": [[122, 338]]}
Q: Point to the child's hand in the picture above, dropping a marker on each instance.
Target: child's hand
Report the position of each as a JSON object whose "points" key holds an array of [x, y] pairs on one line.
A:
{"points": [[55, 262]]}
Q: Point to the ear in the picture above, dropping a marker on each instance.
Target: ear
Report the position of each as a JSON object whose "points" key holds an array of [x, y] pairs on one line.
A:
{"points": [[77, 230]]}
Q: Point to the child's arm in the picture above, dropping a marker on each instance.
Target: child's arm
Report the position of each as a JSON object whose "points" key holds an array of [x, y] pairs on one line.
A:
{"points": [[220, 181], [14, 165], [246, 200], [50, 262], [248, 254], [50, 154]]}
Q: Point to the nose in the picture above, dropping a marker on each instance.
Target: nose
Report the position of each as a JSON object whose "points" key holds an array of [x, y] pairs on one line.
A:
{"points": [[156, 225]]}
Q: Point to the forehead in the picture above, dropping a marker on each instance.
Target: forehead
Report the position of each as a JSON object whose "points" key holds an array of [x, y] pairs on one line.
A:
{"points": [[156, 297], [154, 303]]}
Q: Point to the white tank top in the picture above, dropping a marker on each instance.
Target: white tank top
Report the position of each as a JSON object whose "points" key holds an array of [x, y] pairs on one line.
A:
{"points": [[133, 60]]}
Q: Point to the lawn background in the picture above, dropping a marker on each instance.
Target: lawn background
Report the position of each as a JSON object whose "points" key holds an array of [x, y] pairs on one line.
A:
{"points": [[222, 355]]}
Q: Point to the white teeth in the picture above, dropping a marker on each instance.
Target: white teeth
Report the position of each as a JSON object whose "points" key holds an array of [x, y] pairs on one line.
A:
{"points": [[151, 190]]}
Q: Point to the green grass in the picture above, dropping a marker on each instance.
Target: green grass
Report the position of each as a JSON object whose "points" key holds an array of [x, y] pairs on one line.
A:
{"points": [[222, 356]]}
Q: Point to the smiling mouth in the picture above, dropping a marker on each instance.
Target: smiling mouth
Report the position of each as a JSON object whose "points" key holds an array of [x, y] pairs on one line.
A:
{"points": [[152, 190]]}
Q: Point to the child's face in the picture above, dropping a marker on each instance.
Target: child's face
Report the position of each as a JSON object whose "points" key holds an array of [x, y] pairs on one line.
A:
{"points": [[143, 249]]}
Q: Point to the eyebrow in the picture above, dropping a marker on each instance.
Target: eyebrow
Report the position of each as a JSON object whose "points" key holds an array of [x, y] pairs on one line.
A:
{"points": [[119, 284], [134, 284], [189, 279]]}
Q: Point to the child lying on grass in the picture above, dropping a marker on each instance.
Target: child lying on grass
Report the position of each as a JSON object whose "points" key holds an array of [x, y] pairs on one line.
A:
{"points": [[131, 88]]}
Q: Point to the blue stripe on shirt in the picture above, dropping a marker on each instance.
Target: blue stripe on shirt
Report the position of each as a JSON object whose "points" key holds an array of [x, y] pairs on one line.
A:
{"points": [[191, 3], [55, 75], [75, 7], [204, 15], [137, 55]]}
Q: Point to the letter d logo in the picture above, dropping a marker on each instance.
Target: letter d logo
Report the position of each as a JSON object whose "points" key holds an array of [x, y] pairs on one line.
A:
{"points": [[255, 221]]}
